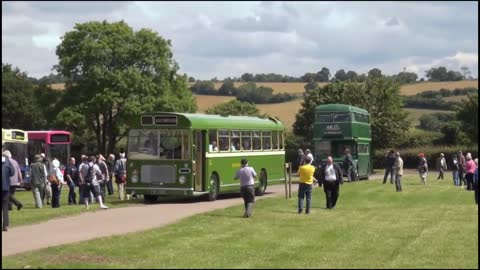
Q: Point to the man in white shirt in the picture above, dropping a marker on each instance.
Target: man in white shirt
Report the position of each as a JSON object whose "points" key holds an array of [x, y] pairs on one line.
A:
{"points": [[308, 153], [90, 183], [331, 178]]}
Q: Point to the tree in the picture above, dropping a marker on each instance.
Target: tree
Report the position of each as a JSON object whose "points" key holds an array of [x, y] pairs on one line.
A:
{"points": [[227, 89], [204, 88], [380, 96], [439, 74], [191, 79], [351, 76], [19, 106], [340, 75], [309, 77], [114, 74], [247, 77], [374, 73], [235, 107], [405, 77], [465, 71], [323, 75], [467, 114]]}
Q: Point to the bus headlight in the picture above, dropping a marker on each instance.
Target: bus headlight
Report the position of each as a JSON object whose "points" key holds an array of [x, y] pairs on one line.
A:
{"points": [[134, 178], [182, 179]]}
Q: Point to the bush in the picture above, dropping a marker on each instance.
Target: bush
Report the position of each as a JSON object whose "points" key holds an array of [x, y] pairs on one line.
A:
{"points": [[410, 158], [419, 138], [292, 144]]}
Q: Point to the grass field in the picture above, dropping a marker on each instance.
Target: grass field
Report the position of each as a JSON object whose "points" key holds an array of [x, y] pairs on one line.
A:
{"points": [[29, 214], [415, 114], [455, 98], [432, 226], [412, 89], [205, 102]]}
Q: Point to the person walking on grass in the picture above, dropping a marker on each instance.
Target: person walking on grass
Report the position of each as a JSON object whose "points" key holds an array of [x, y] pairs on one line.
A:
{"points": [[331, 179], [441, 166], [15, 181], [121, 175], [390, 160], [398, 170], [111, 166], [91, 173], [247, 176], [38, 176], [56, 181], [422, 167], [461, 166], [475, 182], [348, 165], [7, 172], [305, 186], [47, 194], [470, 168], [455, 169]]}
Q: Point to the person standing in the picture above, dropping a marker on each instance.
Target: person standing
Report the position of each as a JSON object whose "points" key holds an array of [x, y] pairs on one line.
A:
{"points": [[103, 182], [111, 165], [308, 153], [71, 174], [38, 175], [475, 182], [121, 175], [348, 165], [56, 184], [301, 157], [422, 167], [461, 168], [398, 169], [470, 171], [441, 166], [47, 194], [305, 186], [91, 173], [331, 179], [7, 172], [247, 177], [455, 169], [15, 181], [390, 160]]}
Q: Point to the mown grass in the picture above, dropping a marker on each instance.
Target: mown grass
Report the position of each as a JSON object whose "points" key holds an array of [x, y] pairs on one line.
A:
{"points": [[432, 226], [29, 214]]}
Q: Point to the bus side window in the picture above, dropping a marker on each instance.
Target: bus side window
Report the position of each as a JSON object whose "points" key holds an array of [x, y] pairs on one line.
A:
{"points": [[280, 139], [275, 140], [257, 140], [267, 140], [223, 140], [235, 140], [212, 140], [246, 140]]}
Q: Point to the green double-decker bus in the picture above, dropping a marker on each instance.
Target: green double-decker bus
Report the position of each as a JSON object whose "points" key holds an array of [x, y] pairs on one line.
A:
{"points": [[338, 127], [182, 155]]}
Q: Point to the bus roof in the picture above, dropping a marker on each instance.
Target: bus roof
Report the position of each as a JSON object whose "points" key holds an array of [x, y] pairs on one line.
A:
{"points": [[339, 108], [203, 121]]}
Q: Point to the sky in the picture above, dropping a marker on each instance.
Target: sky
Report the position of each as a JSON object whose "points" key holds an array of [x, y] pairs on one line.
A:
{"points": [[227, 39]]}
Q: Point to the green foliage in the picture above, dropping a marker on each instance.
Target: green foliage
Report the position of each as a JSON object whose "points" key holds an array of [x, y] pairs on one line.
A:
{"points": [[405, 77], [292, 144], [453, 134], [204, 88], [374, 73], [227, 89], [380, 97], [115, 74], [235, 107], [468, 115], [419, 138], [435, 121], [19, 107], [441, 74], [340, 75], [249, 92]]}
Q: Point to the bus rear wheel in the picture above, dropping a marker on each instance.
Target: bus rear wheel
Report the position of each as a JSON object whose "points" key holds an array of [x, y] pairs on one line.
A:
{"points": [[260, 190], [214, 187], [150, 198]]}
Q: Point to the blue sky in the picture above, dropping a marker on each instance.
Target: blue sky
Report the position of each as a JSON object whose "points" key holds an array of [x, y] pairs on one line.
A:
{"points": [[221, 39]]}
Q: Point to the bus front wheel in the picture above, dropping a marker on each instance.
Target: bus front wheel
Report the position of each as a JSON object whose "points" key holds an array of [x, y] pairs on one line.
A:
{"points": [[213, 192], [150, 198], [260, 190]]}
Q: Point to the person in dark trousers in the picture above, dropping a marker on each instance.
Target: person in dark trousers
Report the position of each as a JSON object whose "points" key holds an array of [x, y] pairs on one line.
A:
{"points": [[104, 179], [306, 182], [331, 179], [111, 166], [441, 166], [7, 172], [71, 175], [247, 177], [56, 185], [15, 181], [390, 160], [398, 168], [461, 169], [348, 165], [475, 181]]}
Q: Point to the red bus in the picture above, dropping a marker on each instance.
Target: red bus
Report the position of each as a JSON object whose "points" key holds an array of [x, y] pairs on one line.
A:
{"points": [[54, 143]]}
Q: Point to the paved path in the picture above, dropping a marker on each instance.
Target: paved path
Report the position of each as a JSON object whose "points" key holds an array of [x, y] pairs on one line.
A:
{"points": [[129, 219]]}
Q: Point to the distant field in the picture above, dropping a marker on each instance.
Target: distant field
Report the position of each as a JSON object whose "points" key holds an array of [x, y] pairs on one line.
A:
{"points": [[416, 113], [204, 102], [455, 98], [286, 111], [412, 89], [57, 86]]}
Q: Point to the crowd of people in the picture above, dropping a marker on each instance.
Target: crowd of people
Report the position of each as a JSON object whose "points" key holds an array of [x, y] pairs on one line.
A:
{"points": [[93, 177]]}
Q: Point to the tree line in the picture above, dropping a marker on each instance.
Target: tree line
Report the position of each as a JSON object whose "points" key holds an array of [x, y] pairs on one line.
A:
{"points": [[434, 74], [247, 92], [435, 99]]}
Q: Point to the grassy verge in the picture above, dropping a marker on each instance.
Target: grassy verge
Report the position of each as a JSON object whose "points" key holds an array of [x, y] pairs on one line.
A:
{"points": [[29, 214], [432, 226]]}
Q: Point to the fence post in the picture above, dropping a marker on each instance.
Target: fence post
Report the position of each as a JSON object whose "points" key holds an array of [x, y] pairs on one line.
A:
{"points": [[285, 167]]}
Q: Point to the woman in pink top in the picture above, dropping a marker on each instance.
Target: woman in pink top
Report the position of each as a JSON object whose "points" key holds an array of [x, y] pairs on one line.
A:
{"points": [[470, 168]]}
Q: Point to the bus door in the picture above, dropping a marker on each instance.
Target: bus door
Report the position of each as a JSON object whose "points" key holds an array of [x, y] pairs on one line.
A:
{"points": [[199, 159]]}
